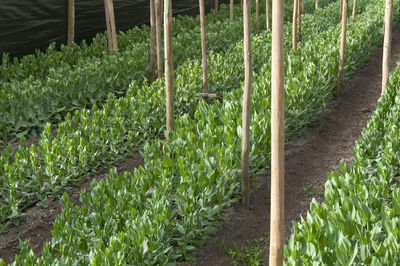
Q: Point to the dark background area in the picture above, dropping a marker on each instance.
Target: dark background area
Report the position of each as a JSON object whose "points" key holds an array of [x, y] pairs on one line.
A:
{"points": [[26, 25]]}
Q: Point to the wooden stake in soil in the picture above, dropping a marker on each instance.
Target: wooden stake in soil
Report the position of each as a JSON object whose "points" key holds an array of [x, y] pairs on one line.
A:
{"points": [[257, 15], [267, 14], [216, 5], [277, 138], [203, 45], [299, 18], [294, 25], [71, 22], [158, 13], [246, 103], [231, 9], [354, 8], [111, 29], [342, 47], [387, 44], [169, 67], [316, 4], [152, 41]]}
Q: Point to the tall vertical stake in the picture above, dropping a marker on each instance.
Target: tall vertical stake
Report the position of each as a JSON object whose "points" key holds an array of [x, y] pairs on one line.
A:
{"points": [[294, 25], [108, 24], [277, 138], [267, 14], [111, 29], [216, 5], [299, 18], [342, 47], [169, 67], [152, 41], [203, 45], [71, 22], [231, 9], [158, 13], [257, 15], [246, 103], [387, 44], [316, 4], [354, 8]]}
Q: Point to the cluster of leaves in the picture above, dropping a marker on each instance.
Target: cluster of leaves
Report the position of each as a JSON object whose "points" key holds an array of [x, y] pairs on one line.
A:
{"points": [[163, 212], [359, 222], [45, 87], [89, 139]]}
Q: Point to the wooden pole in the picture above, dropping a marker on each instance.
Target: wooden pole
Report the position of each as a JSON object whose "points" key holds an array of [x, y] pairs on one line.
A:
{"points": [[267, 14], [316, 4], [299, 18], [277, 138], [387, 44], [108, 24], [203, 45], [246, 103], [354, 8], [294, 26], [216, 5], [342, 47], [169, 67], [152, 41], [257, 16], [158, 13], [231, 9], [71, 22], [111, 29]]}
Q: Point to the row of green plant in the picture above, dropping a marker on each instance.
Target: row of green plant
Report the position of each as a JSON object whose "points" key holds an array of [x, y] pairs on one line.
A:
{"points": [[162, 213], [359, 221], [38, 172], [39, 64], [25, 106]]}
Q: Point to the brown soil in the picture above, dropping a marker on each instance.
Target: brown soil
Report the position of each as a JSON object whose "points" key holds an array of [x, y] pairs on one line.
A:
{"points": [[307, 162], [38, 222]]}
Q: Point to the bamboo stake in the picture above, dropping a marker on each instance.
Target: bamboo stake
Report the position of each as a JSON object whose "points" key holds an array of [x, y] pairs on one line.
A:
{"points": [[231, 9], [246, 103], [108, 24], [387, 45], [152, 41], [267, 14], [354, 8], [203, 45], [342, 47], [158, 13], [216, 5], [294, 26], [257, 15], [299, 18], [71, 22], [169, 67], [277, 137], [316, 4]]}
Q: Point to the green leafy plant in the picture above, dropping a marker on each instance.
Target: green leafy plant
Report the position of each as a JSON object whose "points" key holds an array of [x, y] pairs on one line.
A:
{"points": [[163, 212], [247, 254]]}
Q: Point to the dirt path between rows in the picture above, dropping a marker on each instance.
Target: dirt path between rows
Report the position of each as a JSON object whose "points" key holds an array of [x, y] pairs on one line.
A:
{"points": [[308, 161]]}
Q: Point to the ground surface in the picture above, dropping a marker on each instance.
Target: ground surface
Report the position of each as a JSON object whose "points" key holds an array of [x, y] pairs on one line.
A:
{"points": [[308, 160]]}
